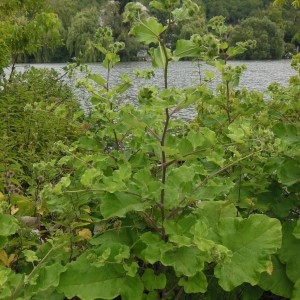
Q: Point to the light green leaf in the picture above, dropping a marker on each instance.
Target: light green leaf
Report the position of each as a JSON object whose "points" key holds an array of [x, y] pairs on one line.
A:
{"points": [[155, 247], [48, 276], [214, 188], [289, 251], [152, 281], [237, 134], [89, 175], [217, 156], [106, 282], [131, 288], [125, 236], [182, 174], [86, 142], [286, 132], [116, 182], [186, 48], [147, 31], [194, 284], [213, 212], [180, 240], [159, 5], [277, 282], [97, 78], [289, 171], [8, 225], [185, 260], [233, 51], [200, 233], [8, 282], [184, 226], [223, 45], [131, 270], [185, 146], [296, 291], [119, 204], [251, 241], [30, 256], [188, 10], [63, 183], [202, 138], [3, 241], [110, 60], [159, 56], [296, 231]]}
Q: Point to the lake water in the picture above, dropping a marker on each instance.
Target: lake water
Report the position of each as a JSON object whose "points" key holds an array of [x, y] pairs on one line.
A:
{"points": [[258, 75]]}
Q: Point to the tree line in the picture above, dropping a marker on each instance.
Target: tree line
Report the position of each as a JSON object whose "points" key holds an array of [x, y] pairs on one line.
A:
{"points": [[59, 30]]}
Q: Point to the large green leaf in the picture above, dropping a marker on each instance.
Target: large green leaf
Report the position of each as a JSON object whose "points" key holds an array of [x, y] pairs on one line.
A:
{"points": [[277, 282], [160, 56], [48, 276], [214, 188], [125, 236], [194, 284], [289, 171], [213, 212], [296, 231], [186, 48], [152, 281], [202, 138], [8, 225], [89, 176], [118, 204], [97, 78], [185, 260], [155, 247], [107, 282], [286, 132], [9, 281], [147, 31], [290, 251], [251, 241], [296, 291]]}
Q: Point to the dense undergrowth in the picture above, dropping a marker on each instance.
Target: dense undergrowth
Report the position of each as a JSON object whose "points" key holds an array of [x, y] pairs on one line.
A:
{"points": [[129, 202]]}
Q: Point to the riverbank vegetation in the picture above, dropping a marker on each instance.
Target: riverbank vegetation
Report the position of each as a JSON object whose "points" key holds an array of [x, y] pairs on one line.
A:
{"points": [[69, 26], [128, 201]]}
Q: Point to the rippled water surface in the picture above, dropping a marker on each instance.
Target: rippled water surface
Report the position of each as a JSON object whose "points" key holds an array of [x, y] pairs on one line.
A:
{"points": [[258, 75]]}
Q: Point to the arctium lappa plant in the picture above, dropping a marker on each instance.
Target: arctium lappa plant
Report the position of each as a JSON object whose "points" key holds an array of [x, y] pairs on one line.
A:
{"points": [[150, 206]]}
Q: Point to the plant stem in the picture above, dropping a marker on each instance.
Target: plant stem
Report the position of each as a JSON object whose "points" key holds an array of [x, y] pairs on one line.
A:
{"points": [[228, 103], [204, 182], [179, 294], [163, 169], [21, 284]]}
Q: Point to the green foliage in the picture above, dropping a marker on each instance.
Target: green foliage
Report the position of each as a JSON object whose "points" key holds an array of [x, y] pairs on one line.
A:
{"points": [[28, 29], [235, 10], [81, 31], [144, 205], [295, 3], [27, 136], [268, 37]]}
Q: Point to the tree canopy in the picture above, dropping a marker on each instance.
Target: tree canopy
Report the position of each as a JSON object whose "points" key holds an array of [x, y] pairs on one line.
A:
{"points": [[268, 36]]}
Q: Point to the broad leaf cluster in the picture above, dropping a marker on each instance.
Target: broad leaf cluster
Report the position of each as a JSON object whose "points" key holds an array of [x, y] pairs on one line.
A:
{"points": [[144, 205]]}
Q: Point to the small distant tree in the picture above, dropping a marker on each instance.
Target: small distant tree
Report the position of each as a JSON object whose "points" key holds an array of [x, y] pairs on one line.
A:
{"points": [[296, 40], [26, 29], [269, 38], [82, 30]]}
